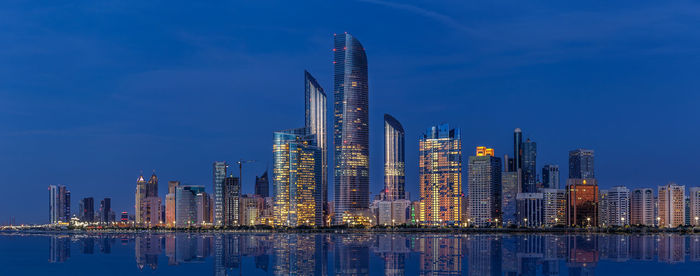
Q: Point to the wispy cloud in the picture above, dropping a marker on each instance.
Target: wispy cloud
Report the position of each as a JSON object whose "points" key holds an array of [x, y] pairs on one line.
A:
{"points": [[442, 18]]}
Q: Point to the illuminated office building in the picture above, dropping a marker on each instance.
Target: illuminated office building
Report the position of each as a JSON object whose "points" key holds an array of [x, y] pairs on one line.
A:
{"points": [[671, 205], [296, 179], [106, 213], [351, 126], [231, 201], [484, 188], [139, 199], [219, 174], [204, 210], [530, 209], [440, 174], [170, 203], [147, 206], [582, 189], [394, 159], [614, 206], [87, 209], [642, 207], [316, 123]]}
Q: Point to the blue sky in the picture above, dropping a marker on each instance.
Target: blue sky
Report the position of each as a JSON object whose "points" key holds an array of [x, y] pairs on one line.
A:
{"points": [[92, 93]]}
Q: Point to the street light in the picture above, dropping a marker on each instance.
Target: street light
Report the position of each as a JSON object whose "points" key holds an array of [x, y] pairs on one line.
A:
{"points": [[589, 221], [696, 221], [658, 221]]}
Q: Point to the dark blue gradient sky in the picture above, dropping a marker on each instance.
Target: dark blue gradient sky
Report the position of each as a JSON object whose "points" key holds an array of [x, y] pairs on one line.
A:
{"points": [[91, 93]]}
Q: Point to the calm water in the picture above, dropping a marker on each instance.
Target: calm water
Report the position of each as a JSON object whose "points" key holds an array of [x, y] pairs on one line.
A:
{"points": [[348, 254]]}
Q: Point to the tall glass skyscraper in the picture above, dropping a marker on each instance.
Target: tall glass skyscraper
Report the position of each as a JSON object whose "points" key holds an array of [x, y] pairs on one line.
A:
{"points": [[550, 177], [315, 122], [485, 188], [296, 178], [440, 173], [351, 126], [581, 164], [517, 149], [529, 167], [219, 176], [394, 159]]}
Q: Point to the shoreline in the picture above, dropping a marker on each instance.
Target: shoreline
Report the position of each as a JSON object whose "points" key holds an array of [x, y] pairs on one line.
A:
{"points": [[397, 230]]}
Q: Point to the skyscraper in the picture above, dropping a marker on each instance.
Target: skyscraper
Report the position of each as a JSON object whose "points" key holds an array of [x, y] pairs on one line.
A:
{"points": [[140, 196], [517, 149], [170, 202], [509, 192], [550, 177], [262, 185], [484, 187], [219, 176], [440, 175], [106, 213], [671, 205], [554, 206], [296, 179], [315, 121], [529, 167], [582, 189], [530, 209], [581, 164], [231, 201], [88, 209], [394, 159], [351, 126], [642, 207], [59, 204], [186, 205]]}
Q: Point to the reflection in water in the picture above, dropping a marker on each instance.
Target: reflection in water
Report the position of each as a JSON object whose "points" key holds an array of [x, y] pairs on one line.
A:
{"points": [[388, 254]]}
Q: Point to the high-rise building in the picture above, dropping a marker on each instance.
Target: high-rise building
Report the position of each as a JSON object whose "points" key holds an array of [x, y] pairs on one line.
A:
{"points": [[186, 205], [316, 122], [581, 164], [59, 204], [614, 206], [351, 126], [440, 174], [231, 201], [550, 177], [394, 159], [529, 167], [170, 203], [87, 213], [106, 213], [296, 179], [140, 197], [517, 149], [671, 205], [530, 209], [204, 210], [219, 173], [484, 188], [148, 203], [582, 189], [694, 196], [554, 206], [509, 191], [642, 207], [262, 185]]}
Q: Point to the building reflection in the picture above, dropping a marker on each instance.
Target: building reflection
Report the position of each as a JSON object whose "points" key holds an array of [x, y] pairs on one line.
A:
{"points": [[387, 253]]}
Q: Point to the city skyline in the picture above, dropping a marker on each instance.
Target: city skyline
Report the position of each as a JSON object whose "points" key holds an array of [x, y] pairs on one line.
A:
{"points": [[95, 143]]}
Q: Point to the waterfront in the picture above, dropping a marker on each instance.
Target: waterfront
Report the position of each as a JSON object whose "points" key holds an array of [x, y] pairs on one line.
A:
{"points": [[347, 254]]}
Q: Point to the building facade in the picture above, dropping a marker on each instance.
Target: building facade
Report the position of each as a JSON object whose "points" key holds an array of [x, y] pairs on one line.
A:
{"points": [[297, 179], [351, 126], [582, 202], [231, 199], [615, 207], [170, 203], [394, 159], [509, 191], [219, 175], [642, 207], [186, 205], [484, 188], [581, 164], [550, 177], [671, 205], [554, 206], [530, 209], [87, 212], [694, 200], [262, 185], [529, 167], [440, 176], [59, 204], [317, 125]]}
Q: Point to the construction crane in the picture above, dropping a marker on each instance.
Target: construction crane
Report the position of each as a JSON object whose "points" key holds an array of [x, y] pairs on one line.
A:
{"points": [[240, 169]]}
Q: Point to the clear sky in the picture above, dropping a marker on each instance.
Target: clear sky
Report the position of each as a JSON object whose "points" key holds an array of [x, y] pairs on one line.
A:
{"points": [[93, 92]]}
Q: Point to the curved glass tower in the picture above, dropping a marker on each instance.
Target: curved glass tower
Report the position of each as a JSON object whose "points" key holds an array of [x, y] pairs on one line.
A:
{"points": [[394, 159], [351, 126]]}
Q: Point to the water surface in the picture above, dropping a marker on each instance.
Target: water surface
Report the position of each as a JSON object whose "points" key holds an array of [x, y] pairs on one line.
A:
{"points": [[348, 254]]}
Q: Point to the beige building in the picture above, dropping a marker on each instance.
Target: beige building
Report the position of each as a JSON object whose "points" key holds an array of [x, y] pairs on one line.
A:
{"points": [[671, 205]]}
